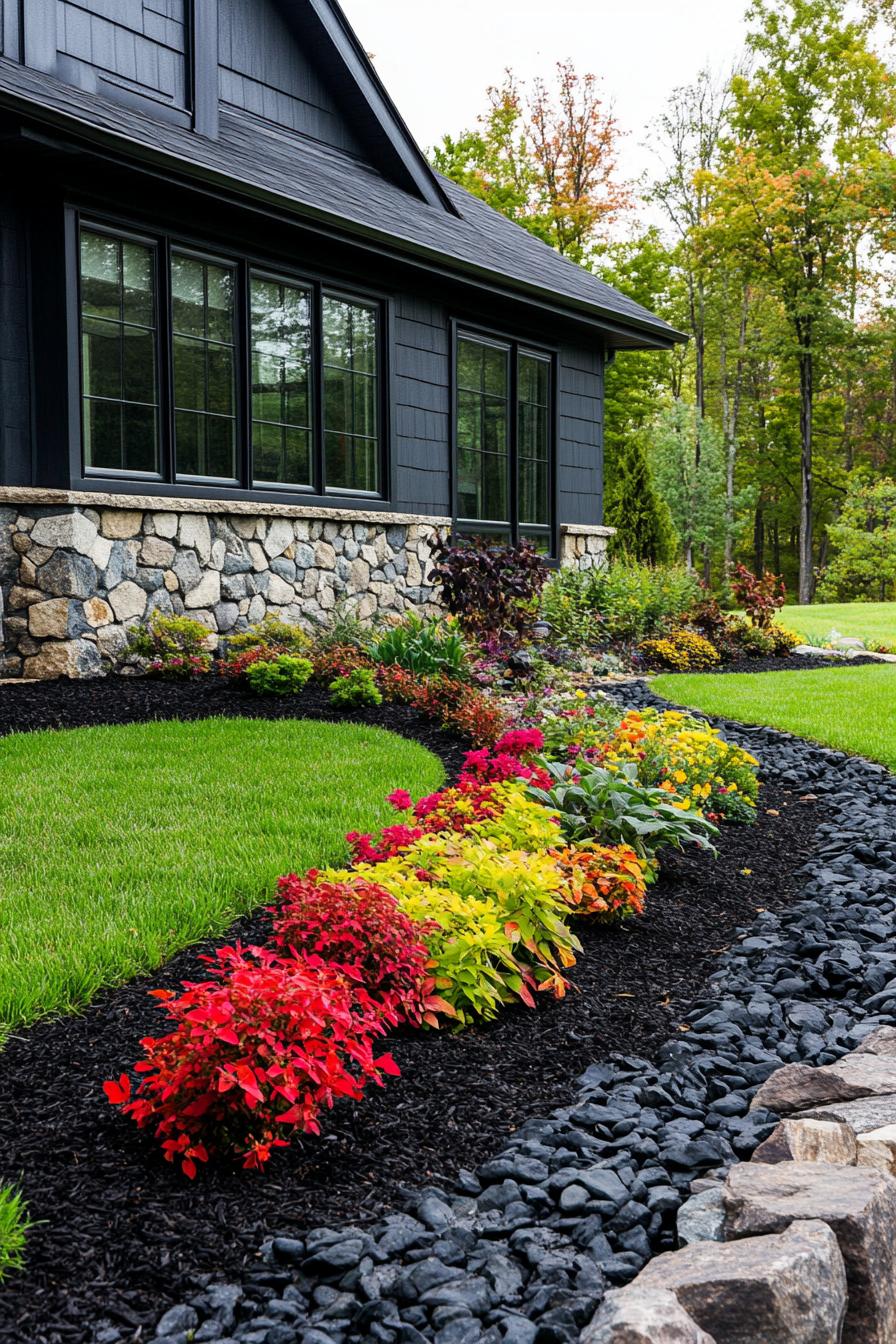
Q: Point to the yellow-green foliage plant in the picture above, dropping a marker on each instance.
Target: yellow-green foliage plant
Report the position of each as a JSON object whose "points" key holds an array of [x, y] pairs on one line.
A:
{"points": [[494, 919]]}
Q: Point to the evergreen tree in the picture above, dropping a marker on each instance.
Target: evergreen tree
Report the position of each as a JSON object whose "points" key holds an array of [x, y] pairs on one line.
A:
{"points": [[642, 519]]}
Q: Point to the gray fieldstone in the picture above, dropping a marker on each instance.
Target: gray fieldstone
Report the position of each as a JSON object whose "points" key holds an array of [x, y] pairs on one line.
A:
{"points": [[128, 601], [206, 593], [194, 533], [67, 575], [71, 531], [702, 1218], [857, 1203], [784, 1288], [637, 1315]]}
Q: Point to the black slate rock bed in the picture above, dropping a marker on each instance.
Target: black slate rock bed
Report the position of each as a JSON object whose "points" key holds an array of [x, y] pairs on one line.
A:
{"points": [[522, 1249], [123, 1233]]}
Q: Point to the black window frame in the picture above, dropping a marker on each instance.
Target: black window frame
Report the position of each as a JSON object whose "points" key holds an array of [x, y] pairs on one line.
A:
{"points": [[516, 346], [246, 266]]}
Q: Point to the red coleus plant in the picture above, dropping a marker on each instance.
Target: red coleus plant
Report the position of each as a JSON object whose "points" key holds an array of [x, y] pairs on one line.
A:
{"points": [[360, 928], [761, 598], [258, 1052]]}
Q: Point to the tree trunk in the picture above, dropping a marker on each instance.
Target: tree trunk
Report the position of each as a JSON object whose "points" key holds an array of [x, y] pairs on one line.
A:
{"points": [[759, 538], [807, 577], [730, 421]]}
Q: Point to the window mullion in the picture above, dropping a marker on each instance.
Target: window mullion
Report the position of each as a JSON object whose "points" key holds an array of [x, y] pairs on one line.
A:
{"points": [[317, 383], [166, 359], [513, 445], [243, 357]]}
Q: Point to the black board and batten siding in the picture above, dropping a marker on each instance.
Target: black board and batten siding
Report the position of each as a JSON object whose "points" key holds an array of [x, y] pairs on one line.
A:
{"points": [[263, 71], [15, 374], [580, 439]]}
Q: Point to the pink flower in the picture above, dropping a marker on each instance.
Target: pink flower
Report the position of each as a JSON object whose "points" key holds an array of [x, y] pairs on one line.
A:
{"points": [[401, 800]]}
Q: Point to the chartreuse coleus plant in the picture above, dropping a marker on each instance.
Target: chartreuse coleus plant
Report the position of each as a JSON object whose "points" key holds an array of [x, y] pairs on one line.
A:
{"points": [[498, 915]]}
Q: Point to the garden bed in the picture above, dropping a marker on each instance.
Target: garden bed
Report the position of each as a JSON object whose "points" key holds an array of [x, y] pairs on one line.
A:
{"points": [[121, 1233], [791, 663]]}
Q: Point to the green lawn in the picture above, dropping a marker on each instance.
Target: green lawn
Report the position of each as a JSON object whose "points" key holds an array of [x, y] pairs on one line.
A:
{"points": [[850, 708], [119, 846], [858, 620]]}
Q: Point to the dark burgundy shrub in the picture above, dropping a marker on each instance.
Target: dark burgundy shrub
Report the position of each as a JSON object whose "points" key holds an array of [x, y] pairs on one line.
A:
{"points": [[492, 589]]}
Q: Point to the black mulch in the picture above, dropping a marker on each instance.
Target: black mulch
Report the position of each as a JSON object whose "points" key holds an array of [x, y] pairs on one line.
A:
{"points": [[122, 1233], [798, 663]]}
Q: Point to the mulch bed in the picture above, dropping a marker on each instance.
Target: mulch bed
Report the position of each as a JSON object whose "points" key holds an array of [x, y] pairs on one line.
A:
{"points": [[122, 1234], [797, 663]]}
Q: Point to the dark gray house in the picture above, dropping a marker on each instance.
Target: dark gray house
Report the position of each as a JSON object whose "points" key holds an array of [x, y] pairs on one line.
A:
{"points": [[254, 353]]}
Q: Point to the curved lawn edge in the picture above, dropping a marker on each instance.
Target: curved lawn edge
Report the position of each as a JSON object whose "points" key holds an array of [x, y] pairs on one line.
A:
{"points": [[848, 709], [121, 845]]}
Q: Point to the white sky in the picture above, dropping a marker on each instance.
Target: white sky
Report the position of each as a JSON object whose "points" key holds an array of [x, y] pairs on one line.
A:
{"points": [[438, 59]]}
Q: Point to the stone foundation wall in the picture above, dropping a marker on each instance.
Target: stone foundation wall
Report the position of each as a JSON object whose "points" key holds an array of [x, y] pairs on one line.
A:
{"points": [[77, 570]]}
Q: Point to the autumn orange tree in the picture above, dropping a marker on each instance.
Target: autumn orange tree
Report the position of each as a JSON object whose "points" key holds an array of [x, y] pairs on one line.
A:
{"points": [[547, 157], [805, 179]]}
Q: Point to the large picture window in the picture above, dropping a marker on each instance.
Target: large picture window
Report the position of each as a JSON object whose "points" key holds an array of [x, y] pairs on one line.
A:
{"points": [[120, 396], [504, 440], [202, 368]]}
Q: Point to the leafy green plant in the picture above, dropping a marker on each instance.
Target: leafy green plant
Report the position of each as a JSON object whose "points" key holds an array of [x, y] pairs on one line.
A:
{"points": [[638, 601], [611, 806], [283, 675], [355, 690], [424, 647], [14, 1228], [567, 606], [174, 646], [753, 640], [270, 634], [341, 629], [492, 589]]}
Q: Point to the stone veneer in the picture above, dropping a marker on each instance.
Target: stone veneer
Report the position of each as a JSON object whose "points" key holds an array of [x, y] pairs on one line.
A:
{"points": [[76, 570]]}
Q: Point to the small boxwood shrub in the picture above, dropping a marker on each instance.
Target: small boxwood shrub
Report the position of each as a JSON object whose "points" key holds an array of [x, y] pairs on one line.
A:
{"points": [[283, 675], [355, 690]]}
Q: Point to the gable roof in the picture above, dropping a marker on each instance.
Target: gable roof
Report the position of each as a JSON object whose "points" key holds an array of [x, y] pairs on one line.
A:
{"points": [[396, 203], [323, 26]]}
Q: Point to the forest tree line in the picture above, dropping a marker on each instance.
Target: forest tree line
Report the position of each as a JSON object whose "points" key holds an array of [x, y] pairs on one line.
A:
{"points": [[768, 235]]}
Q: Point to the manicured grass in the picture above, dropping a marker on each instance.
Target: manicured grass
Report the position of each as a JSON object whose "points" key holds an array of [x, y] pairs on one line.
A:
{"points": [[121, 845], [874, 621], [852, 709], [13, 1230]]}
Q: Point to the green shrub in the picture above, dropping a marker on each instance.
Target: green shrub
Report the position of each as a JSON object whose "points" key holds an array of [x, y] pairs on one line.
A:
{"points": [[754, 641], [283, 675], [174, 646], [627, 601], [357, 689], [271, 633], [566, 604], [638, 601], [784, 640], [613, 807], [427, 648], [14, 1226]]}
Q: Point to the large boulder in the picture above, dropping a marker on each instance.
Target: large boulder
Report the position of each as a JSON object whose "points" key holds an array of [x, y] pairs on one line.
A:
{"points": [[799, 1140], [857, 1203], [797, 1087], [786, 1288], [636, 1315], [861, 1115]]}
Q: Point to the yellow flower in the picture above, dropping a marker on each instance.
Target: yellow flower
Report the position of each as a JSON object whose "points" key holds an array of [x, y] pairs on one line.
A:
{"points": [[680, 777]]}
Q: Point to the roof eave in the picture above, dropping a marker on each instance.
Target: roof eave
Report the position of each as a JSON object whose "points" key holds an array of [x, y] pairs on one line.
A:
{"points": [[622, 331]]}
